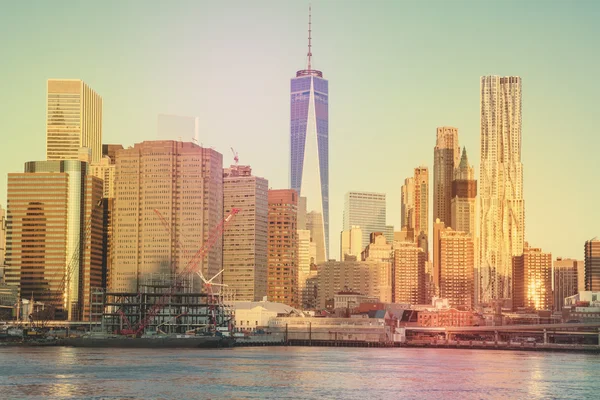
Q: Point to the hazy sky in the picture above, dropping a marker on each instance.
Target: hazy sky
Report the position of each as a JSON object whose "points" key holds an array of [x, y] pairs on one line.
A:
{"points": [[396, 71]]}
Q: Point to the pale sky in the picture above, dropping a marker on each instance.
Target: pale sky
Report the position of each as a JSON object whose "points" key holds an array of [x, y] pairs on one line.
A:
{"points": [[396, 71]]}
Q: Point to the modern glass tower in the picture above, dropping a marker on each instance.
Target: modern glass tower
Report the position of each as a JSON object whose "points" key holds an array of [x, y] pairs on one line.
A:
{"points": [[309, 132]]}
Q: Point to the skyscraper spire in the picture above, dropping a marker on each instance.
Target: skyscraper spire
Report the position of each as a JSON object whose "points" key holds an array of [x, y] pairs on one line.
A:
{"points": [[309, 35]]}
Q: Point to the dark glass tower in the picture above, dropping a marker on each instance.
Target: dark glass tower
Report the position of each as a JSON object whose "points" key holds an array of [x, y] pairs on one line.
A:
{"points": [[309, 131]]}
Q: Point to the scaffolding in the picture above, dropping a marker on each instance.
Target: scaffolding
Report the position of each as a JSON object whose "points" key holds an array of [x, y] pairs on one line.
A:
{"points": [[183, 312]]}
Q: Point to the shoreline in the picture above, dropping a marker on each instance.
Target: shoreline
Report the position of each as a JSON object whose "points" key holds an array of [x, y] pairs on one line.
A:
{"points": [[587, 349]]}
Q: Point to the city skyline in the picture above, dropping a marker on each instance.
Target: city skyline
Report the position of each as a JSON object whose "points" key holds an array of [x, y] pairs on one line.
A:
{"points": [[130, 115]]}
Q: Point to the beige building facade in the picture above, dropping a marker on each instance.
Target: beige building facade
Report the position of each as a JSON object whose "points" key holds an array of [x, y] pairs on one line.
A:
{"points": [[73, 120], [457, 268], [351, 242], [532, 279], [365, 277], [184, 183], [282, 280], [245, 242], [409, 273]]}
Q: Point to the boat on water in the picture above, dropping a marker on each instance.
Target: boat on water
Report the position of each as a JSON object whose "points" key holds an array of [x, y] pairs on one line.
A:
{"points": [[152, 342]]}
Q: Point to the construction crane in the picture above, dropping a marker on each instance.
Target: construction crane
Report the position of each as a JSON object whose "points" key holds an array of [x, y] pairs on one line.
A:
{"points": [[191, 267], [236, 159], [212, 299]]}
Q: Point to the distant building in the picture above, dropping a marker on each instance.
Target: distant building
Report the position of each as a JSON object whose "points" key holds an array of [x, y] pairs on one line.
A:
{"points": [[178, 128], [253, 315], [184, 183], [457, 264], [351, 242], [502, 207], [582, 307], [445, 318], [2, 241], [532, 279], [105, 170], [351, 300], [446, 155], [592, 265], [365, 277], [282, 280], [565, 281], [74, 120], [314, 224], [368, 211], [54, 223], [245, 241], [408, 208], [464, 194], [409, 273], [422, 201], [380, 250]]}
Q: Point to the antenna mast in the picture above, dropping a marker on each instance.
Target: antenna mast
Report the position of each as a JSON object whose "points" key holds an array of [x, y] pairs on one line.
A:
{"points": [[309, 35]]}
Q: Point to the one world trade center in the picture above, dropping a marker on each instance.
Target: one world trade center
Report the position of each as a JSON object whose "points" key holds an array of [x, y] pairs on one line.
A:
{"points": [[309, 131]]}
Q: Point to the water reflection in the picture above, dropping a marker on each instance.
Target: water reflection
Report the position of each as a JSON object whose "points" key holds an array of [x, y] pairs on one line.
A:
{"points": [[298, 373]]}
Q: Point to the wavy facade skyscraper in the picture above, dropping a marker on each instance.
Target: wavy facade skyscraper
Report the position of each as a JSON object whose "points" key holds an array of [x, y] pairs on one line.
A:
{"points": [[309, 131], [502, 220]]}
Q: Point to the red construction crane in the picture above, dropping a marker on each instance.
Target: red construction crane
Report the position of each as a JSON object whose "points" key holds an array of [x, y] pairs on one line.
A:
{"points": [[235, 156], [192, 267]]}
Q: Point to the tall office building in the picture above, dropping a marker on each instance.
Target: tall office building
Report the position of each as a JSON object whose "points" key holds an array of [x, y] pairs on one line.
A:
{"points": [[351, 242], [2, 240], [178, 128], [532, 279], [457, 265], [245, 242], [184, 183], [502, 218], [464, 193], [565, 281], [407, 222], [421, 201], [105, 170], [438, 228], [368, 211], [73, 120], [309, 131], [54, 235], [446, 155], [409, 273], [592, 265], [306, 256], [364, 277], [282, 281]]}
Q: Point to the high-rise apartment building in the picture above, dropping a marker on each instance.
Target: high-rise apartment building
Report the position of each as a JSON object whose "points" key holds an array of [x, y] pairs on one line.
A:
{"points": [[54, 235], [438, 228], [179, 128], [407, 223], [282, 281], [309, 131], [306, 256], [105, 170], [592, 265], [457, 265], [446, 156], [73, 120], [409, 273], [565, 281], [364, 277], [464, 193], [184, 183], [502, 212], [532, 279], [245, 242], [351, 242], [368, 211], [421, 201]]}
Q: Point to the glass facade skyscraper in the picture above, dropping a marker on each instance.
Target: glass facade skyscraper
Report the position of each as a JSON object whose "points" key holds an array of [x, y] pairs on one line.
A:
{"points": [[309, 131]]}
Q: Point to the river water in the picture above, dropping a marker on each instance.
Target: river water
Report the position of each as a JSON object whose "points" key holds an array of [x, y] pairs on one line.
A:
{"points": [[295, 373]]}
